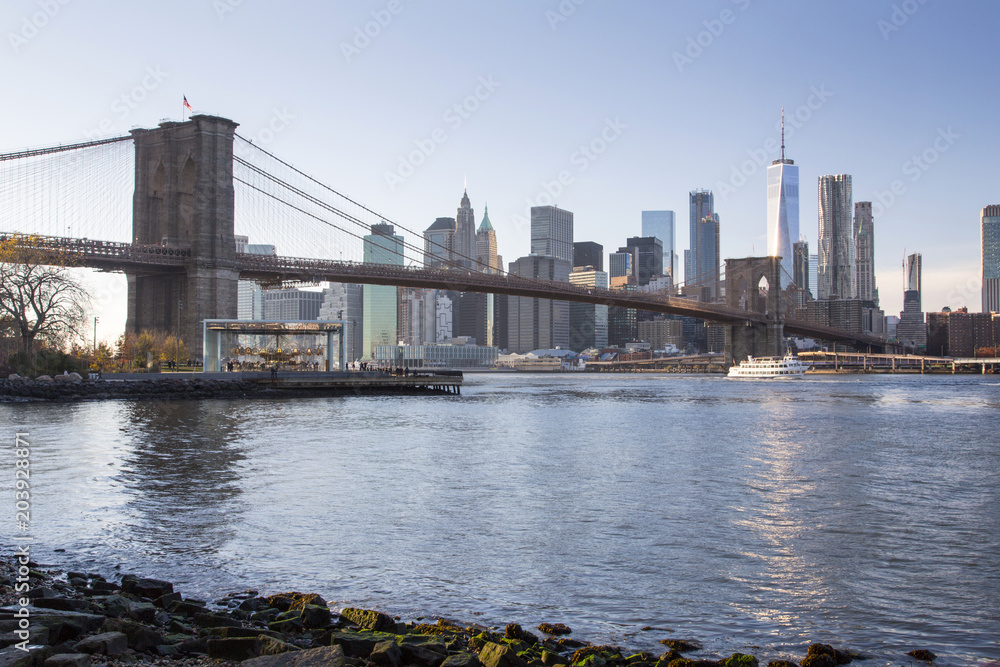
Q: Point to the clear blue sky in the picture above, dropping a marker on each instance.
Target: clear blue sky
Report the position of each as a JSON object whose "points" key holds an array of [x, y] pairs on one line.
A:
{"points": [[894, 79]]}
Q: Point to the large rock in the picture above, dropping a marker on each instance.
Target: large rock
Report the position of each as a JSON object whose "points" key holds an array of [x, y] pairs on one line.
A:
{"points": [[147, 588], [467, 659], [15, 657], [210, 620], [386, 654], [234, 648], [287, 601], [497, 655], [358, 644], [108, 643], [421, 655], [327, 656], [37, 634], [140, 637], [61, 604], [370, 619]]}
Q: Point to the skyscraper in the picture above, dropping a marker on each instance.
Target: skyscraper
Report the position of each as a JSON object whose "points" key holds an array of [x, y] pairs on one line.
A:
{"points": [[837, 272], [439, 244], [465, 233], [344, 302], [534, 324], [708, 257], [486, 246], [783, 210], [588, 253], [552, 232], [588, 322], [380, 323], [991, 259], [912, 328], [647, 257], [864, 252], [801, 274], [661, 225], [702, 205]]}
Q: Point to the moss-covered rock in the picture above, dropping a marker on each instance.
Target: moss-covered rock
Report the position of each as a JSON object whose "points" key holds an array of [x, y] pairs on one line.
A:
{"points": [[682, 645], [922, 654], [554, 629], [370, 619], [741, 660], [498, 655]]}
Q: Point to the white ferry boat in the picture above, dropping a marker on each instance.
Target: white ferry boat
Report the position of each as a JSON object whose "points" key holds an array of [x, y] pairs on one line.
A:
{"points": [[769, 367]]}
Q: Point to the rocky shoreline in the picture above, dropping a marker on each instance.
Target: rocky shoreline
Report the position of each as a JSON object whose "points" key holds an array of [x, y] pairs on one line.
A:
{"points": [[78, 619], [160, 388]]}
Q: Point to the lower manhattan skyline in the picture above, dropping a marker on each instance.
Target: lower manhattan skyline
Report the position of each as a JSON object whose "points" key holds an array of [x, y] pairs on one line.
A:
{"points": [[603, 110]]}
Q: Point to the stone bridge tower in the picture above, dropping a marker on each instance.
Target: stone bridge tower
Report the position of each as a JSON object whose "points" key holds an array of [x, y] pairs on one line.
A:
{"points": [[184, 198], [754, 284]]}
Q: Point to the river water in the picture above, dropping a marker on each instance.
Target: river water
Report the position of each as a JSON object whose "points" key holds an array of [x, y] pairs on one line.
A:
{"points": [[862, 511]]}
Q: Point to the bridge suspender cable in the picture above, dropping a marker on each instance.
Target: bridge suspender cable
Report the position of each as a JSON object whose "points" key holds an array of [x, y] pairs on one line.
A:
{"points": [[472, 260], [60, 149]]}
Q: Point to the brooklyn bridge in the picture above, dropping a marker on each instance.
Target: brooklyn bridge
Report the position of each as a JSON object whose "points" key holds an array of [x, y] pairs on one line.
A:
{"points": [[163, 207]]}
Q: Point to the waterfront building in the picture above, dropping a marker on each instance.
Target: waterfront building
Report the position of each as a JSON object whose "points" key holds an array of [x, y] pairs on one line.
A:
{"points": [[465, 233], [588, 253], [588, 322], [487, 259], [661, 224], [864, 252], [458, 353], [701, 204], [837, 271], [552, 232], [439, 244], [538, 323], [963, 334], [291, 305], [250, 295], [990, 225], [800, 266], [343, 302], [912, 328], [783, 210], [381, 316]]}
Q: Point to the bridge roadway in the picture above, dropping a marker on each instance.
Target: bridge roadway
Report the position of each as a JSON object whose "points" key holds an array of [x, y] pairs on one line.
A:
{"points": [[155, 259]]}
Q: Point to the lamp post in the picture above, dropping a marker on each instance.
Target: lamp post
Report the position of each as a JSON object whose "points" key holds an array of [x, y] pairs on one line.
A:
{"points": [[95, 336], [177, 340]]}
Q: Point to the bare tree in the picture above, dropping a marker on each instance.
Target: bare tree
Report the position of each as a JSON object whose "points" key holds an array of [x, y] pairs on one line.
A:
{"points": [[42, 303]]}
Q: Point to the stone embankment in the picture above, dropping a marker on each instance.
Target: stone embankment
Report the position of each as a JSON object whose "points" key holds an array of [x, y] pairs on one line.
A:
{"points": [[79, 619], [71, 387]]}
